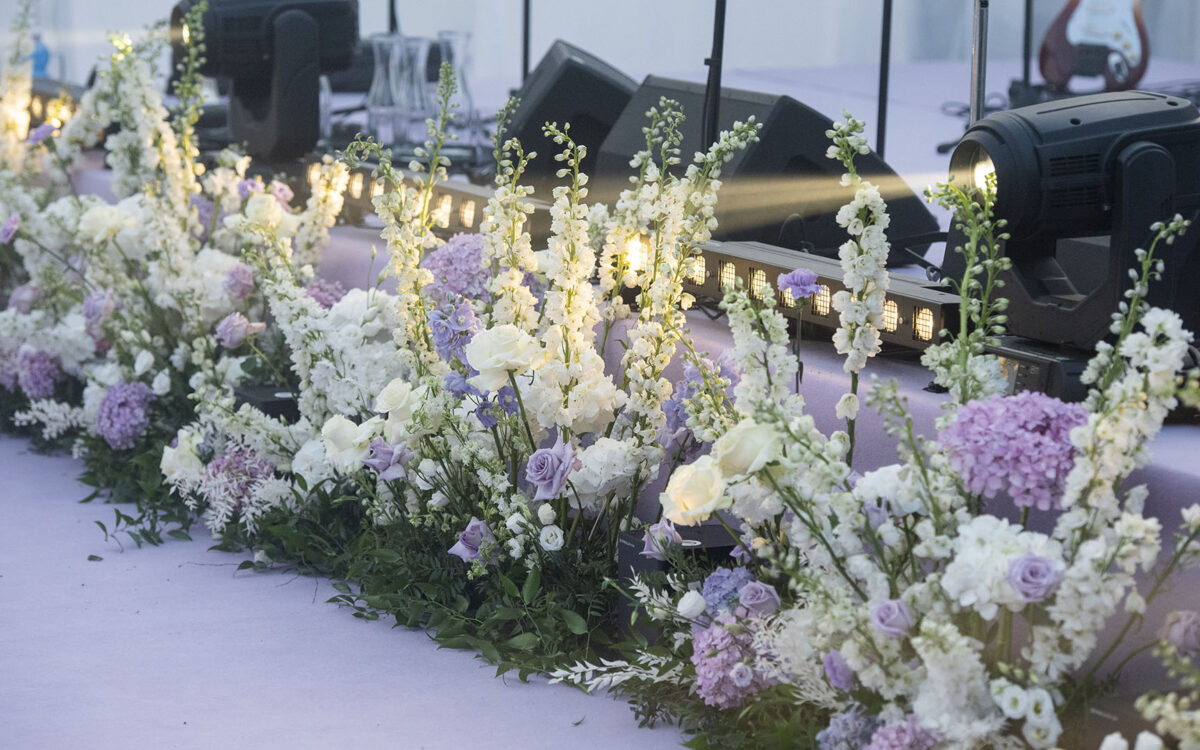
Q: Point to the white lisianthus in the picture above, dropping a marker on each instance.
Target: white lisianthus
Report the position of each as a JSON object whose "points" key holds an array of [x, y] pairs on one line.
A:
{"points": [[1013, 701], [344, 447], [161, 385], [691, 606], [847, 407], [551, 538], [694, 492], [747, 448], [546, 514], [496, 352]]}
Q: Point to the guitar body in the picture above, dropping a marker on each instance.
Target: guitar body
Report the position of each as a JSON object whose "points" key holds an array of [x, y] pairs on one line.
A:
{"points": [[1096, 38]]}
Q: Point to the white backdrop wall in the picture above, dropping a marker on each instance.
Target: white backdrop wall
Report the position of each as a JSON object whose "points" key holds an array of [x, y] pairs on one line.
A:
{"points": [[659, 36]]}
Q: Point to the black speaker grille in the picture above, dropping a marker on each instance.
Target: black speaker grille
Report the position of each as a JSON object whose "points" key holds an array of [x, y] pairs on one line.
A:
{"points": [[1066, 166]]}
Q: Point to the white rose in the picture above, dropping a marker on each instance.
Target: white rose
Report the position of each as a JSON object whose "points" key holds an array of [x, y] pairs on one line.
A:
{"points": [[551, 538], [847, 407], [496, 352], [694, 492], [100, 224], [343, 447], [438, 499], [546, 514], [747, 448], [162, 383], [400, 401], [691, 606], [263, 208], [182, 459]]}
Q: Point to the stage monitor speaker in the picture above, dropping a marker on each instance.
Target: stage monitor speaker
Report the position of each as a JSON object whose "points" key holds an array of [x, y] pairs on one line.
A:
{"points": [[781, 190], [568, 85]]}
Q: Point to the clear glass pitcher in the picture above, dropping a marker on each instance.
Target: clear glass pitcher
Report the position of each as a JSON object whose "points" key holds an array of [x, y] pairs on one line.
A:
{"points": [[455, 48], [382, 109], [411, 89]]}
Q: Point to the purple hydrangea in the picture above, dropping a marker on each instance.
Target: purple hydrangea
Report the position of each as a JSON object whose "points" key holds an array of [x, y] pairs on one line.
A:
{"points": [[723, 677], [452, 330], [659, 537], [471, 539], [124, 414], [802, 283], [902, 735], [37, 372], [849, 730], [1033, 576], [548, 468], [23, 297], [8, 230], [759, 598], [41, 133], [239, 468], [239, 281], [722, 586], [234, 328], [838, 671], [891, 618], [457, 269], [1016, 444], [325, 292], [387, 460]]}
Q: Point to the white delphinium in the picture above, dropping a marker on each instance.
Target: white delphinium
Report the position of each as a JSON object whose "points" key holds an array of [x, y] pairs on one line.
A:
{"points": [[328, 185], [954, 698]]}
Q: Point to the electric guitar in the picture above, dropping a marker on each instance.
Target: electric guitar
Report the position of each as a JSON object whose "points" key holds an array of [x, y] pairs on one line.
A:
{"points": [[1096, 38]]}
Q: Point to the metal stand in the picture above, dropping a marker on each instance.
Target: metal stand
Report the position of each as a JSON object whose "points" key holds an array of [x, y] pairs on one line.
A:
{"points": [[712, 90], [885, 63], [979, 60], [525, 41]]}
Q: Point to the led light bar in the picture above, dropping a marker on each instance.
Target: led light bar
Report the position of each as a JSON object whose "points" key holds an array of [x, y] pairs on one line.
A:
{"points": [[913, 314]]}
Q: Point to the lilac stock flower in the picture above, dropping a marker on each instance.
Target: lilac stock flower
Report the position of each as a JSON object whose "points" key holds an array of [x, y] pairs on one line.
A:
{"points": [[37, 372], [891, 618], [722, 586], [1033, 576], [237, 469], [124, 416], [903, 735], [387, 460], [234, 328], [802, 283], [717, 654], [849, 730], [659, 537], [41, 133], [471, 539], [548, 468], [837, 671], [759, 598], [283, 194], [239, 281], [249, 187], [1016, 444], [8, 230], [457, 269], [23, 297], [1181, 629], [325, 292]]}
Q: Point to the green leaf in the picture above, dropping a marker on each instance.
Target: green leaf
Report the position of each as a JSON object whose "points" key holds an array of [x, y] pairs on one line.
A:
{"points": [[179, 534], [533, 584], [95, 558], [245, 564], [577, 723], [523, 642], [510, 588], [575, 623]]}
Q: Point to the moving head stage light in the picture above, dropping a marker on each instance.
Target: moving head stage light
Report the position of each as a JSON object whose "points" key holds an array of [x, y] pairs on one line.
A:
{"points": [[1080, 182], [273, 51]]}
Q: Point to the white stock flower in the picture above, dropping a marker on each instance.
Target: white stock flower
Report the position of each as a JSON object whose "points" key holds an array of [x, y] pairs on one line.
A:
{"points": [[747, 448], [496, 352], [691, 606], [694, 492], [551, 538]]}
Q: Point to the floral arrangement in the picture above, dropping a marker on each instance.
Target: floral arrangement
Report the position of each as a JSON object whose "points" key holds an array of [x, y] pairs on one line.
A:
{"points": [[470, 435]]}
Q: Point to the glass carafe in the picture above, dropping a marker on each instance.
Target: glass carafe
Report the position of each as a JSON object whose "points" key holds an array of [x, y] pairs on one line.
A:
{"points": [[455, 48], [411, 90], [382, 109]]}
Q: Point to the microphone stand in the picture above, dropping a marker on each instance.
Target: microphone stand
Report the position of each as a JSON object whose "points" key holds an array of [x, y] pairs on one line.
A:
{"points": [[885, 61], [525, 40], [712, 89], [979, 61]]}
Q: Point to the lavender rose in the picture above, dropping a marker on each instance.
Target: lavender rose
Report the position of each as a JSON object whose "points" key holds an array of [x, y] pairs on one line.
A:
{"points": [[1033, 576], [388, 460], [837, 671], [9, 229], [760, 598], [234, 328], [471, 539], [802, 283], [891, 618], [23, 297], [1181, 629], [239, 281], [658, 538], [548, 468]]}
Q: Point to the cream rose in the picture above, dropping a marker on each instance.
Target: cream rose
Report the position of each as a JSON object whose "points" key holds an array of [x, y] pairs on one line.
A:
{"points": [[748, 447], [345, 447], [400, 402], [496, 352], [694, 492], [100, 224]]}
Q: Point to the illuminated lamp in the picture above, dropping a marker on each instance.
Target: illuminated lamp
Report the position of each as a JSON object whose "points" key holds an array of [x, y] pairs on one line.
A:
{"points": [[1079, 182], [273, 51]]}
